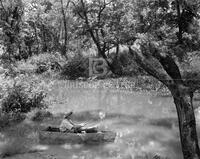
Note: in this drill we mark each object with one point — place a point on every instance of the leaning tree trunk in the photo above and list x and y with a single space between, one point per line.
187 124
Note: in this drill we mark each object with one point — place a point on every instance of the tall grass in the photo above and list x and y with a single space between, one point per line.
19 139
13 146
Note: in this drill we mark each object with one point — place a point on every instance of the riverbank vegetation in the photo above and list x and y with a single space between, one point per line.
148 45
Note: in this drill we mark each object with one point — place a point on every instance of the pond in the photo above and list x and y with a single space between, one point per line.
146 125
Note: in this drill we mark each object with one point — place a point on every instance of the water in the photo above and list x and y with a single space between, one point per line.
145 124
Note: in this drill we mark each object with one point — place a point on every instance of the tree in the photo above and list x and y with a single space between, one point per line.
105 22
162 49
166 33
11 13
50 23
39 19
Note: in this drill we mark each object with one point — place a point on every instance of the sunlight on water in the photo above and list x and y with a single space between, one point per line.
144 124
2 136
123 133
40 148
74 146
67 146
77 146
151 146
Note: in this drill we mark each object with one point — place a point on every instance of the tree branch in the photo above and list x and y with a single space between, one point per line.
167 63
147 65
180 32
100 11
3 6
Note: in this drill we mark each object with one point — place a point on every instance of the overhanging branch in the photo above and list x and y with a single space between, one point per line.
147 65
167 63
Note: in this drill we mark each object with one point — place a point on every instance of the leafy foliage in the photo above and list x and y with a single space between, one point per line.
105 22
39 115
126 62
44 62
11 25
75 68
22 95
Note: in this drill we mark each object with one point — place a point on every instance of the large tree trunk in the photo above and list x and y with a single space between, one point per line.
187 124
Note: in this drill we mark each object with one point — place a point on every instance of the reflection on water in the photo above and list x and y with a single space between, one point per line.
145 124
40 148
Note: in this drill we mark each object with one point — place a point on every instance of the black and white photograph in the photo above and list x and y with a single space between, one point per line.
99 79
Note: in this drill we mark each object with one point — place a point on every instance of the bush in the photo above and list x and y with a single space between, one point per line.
18 100
41 68
39 115
47 61
128 65
6 119
42 63
76 67
22 94
25 67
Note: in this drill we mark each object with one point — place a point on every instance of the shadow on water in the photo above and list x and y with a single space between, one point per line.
167 123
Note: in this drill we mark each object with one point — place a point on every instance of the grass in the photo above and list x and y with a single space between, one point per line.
9 119
19 139
13 147
16 147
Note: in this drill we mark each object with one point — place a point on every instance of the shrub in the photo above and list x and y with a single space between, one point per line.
25 67
4 120
41 68
125 60
47 61
39 115
11 71
76 67
7 119
41 63
18 100
16 117
22 94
